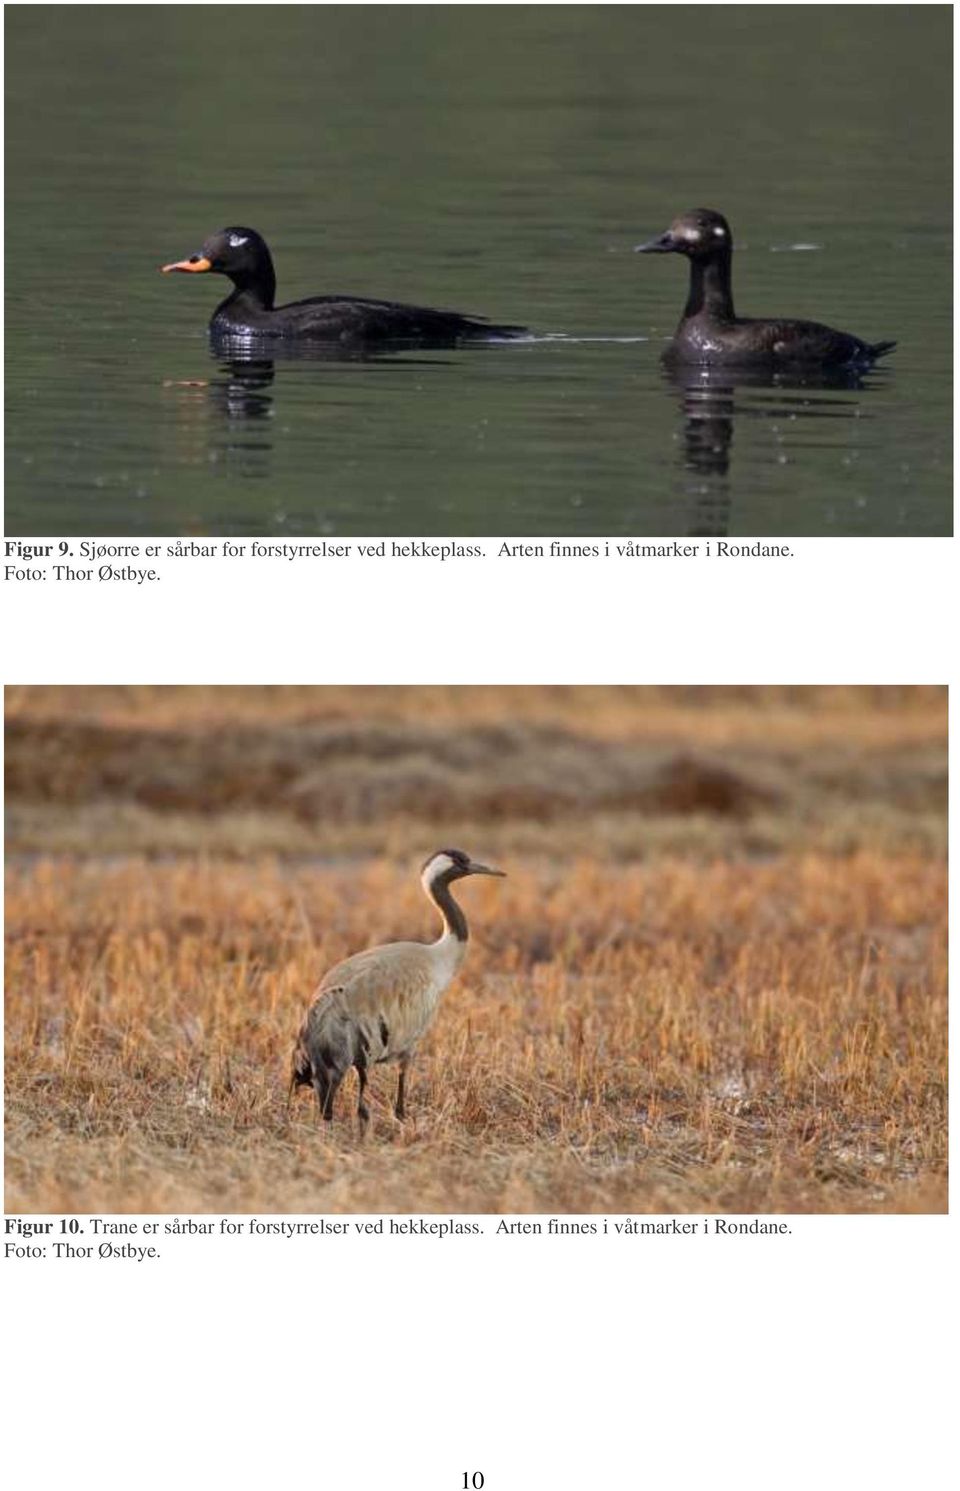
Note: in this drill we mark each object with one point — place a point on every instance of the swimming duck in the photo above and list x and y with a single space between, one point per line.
242 255
711 332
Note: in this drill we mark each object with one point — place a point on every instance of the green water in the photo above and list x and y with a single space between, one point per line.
497 160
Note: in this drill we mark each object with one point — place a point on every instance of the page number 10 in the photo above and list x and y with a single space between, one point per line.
473 1480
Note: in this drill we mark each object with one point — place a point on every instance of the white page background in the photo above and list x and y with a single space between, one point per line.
816 1358
842 610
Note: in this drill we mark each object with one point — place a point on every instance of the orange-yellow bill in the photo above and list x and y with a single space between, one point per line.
188 266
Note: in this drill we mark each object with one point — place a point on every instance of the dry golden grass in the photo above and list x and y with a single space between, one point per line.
691 994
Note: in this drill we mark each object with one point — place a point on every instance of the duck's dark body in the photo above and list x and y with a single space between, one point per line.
710 331
708 338
350 319
242 255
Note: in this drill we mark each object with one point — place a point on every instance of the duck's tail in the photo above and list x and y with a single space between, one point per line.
473 328
880 349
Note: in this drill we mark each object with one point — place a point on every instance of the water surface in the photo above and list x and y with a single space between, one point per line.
501 161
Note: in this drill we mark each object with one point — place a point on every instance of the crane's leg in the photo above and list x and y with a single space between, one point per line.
399 1109
363 1112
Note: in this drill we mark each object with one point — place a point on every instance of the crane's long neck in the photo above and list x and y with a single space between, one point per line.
711 287
454 921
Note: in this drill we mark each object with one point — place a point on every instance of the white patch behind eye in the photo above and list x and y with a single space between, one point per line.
719 232
438 865
236 241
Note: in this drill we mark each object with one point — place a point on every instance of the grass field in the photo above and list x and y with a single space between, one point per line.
715 978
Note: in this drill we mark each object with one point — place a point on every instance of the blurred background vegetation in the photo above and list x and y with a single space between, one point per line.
620 773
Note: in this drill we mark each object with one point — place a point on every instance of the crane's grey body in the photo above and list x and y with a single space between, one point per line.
374 1007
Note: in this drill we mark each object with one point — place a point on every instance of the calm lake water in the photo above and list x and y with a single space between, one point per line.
498 160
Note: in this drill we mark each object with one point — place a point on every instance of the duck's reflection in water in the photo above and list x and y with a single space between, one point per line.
241 392
249 352
241 411
242 401
712 400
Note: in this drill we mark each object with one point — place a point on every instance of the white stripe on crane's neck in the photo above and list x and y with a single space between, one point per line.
436 887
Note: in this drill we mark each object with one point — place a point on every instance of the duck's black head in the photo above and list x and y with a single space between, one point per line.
700 234
240 254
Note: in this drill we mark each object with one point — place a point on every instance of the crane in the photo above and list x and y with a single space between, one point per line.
375 1006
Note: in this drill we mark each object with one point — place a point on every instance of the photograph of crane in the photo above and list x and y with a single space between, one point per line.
648 950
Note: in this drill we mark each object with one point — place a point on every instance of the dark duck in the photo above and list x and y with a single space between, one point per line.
242 255
711 332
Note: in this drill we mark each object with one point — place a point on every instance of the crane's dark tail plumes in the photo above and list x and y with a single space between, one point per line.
301 1072
321 1071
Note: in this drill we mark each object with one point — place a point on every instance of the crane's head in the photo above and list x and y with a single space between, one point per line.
451 864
